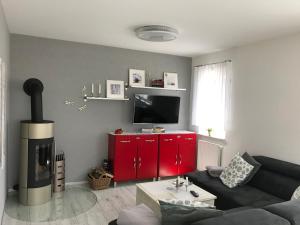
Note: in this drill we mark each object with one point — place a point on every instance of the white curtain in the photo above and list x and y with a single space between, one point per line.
211 98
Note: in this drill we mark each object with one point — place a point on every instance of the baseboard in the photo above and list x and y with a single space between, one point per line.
76 183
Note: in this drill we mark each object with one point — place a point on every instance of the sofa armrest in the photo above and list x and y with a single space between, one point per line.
246 217
289 210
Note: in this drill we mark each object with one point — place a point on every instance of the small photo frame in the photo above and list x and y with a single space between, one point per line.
137 78
170 80
115 89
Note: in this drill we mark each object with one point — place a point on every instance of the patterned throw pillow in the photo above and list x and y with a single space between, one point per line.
296 194
237 171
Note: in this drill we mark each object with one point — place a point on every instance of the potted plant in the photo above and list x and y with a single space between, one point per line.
209 130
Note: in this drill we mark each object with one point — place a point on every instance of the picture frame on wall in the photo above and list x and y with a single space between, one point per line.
115 89
137 78
170 80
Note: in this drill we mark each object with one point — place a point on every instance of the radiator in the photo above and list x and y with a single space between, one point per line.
209 154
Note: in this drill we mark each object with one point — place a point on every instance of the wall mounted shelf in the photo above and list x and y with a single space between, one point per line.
159 88
87 98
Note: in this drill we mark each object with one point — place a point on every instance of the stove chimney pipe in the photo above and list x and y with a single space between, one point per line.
34 88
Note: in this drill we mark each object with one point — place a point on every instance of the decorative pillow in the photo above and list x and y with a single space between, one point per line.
296 194
249 159
236 172
214 171
182 215
138 215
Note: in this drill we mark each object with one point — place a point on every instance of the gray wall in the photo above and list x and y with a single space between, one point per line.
266 108
4 54
64 67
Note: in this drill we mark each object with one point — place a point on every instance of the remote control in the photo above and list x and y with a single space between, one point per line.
194 193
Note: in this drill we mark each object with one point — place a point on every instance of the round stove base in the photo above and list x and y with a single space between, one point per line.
70 203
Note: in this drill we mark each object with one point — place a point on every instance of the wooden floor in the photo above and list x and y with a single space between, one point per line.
110 202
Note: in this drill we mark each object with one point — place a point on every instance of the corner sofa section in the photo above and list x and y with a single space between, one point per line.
275 182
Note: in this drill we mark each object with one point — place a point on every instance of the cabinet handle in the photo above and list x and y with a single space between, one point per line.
149 140
180 159
125 141
134 163
176 159
189 139
170 139
137 138
140 162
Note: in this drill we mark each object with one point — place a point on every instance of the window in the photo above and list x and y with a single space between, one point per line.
211 98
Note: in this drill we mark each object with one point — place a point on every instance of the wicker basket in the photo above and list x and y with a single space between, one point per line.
100 183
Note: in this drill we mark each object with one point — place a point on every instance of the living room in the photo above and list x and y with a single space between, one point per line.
223 76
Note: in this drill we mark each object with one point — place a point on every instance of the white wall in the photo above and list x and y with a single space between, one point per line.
266 98
4 54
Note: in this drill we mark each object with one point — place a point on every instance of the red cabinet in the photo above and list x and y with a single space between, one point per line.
133 156
177 154
187 154
168 155
144 156
147 157
125 158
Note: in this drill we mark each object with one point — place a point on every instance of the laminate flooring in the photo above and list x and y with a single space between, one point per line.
107 207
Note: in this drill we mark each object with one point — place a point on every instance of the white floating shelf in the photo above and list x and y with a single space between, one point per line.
86 98
159 88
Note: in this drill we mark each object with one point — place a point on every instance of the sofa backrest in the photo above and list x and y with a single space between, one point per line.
276 177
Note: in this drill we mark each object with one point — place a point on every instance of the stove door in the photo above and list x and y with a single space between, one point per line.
40 159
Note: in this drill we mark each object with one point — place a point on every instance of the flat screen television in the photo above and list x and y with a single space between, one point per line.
156 109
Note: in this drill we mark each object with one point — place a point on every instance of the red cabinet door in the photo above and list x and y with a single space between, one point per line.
168 157
125 158
187 153
147 157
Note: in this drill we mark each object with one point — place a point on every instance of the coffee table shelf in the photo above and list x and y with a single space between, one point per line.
150 192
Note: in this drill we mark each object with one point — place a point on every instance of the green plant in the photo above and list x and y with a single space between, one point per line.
209 130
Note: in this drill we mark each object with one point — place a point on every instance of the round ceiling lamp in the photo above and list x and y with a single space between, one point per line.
156 33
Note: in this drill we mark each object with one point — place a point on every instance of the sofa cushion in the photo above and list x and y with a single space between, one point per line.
289 210
280 167
296 194
266 180
249 159
246 217
230 198
173 214
236 172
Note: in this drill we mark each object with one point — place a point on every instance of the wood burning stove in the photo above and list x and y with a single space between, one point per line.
37 150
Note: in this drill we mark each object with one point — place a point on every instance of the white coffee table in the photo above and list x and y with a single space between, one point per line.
150 192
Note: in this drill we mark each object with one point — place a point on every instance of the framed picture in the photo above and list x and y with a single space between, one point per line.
115 89
136 78
170 80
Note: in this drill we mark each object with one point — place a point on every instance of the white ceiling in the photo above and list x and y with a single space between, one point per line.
204 25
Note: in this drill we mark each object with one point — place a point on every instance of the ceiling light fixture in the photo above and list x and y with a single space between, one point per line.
156 33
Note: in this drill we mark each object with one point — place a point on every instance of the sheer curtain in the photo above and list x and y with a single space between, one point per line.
211 98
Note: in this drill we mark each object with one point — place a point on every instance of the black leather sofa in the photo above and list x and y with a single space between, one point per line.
275 182
263 201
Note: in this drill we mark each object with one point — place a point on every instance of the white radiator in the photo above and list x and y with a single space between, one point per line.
209 154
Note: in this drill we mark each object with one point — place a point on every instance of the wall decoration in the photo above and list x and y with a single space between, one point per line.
137 78
115 89
170 80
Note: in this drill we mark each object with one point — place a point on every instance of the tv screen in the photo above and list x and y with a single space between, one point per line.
156 109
